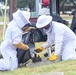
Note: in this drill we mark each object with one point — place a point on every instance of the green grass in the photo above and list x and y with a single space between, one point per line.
67 17
2 18
68 67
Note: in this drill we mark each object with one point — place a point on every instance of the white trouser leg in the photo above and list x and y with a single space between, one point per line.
3 65
69 51
6 63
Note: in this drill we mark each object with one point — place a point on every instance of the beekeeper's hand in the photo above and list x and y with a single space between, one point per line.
22 46
53 57
40 49
29 28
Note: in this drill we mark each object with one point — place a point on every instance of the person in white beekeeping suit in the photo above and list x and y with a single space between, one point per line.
12 40
60 35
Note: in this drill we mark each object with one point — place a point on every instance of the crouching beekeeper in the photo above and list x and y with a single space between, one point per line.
60 35
12 41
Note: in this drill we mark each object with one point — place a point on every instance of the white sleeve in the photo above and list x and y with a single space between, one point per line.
45 45
16 36
58 41
48 43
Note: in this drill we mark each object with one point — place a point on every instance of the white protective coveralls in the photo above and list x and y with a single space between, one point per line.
63 38
13 35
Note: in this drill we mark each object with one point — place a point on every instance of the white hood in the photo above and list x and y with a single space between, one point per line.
49 29
21 18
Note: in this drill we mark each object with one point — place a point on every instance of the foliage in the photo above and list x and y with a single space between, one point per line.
2 0
26 3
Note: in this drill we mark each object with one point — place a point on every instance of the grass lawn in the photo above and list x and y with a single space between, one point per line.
67 17
2 18
68 67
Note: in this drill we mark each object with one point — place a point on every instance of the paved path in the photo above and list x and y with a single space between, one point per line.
44 61
53 73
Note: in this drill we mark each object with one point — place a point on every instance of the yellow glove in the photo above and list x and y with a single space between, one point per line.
28 29
38 50
22 46
53 57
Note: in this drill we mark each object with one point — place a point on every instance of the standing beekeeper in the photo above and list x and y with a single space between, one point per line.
12 40
60 35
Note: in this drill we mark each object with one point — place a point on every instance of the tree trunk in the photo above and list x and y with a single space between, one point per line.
12 4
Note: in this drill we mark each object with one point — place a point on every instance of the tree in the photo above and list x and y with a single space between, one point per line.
2 0
26 3
12 4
